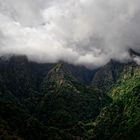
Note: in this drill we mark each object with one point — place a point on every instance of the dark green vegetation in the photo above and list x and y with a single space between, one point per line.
121 119
65 102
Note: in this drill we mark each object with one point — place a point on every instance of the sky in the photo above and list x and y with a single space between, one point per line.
81 32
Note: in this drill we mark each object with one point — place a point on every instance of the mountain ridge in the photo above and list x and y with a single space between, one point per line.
62 101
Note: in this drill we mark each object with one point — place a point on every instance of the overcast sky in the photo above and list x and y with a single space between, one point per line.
88 32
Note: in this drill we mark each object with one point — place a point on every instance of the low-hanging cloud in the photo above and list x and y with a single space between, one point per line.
88 32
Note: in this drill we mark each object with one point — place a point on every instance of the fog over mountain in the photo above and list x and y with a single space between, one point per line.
88 32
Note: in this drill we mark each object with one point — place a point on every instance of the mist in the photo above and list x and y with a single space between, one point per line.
81 32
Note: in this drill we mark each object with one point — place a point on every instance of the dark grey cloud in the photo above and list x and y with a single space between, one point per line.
88 32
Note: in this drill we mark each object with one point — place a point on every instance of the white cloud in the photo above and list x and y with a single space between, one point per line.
89 32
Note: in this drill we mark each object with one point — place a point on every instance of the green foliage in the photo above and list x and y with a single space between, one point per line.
66 101
53 101
120 120
107 75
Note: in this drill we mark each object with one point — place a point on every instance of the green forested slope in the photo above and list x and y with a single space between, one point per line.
66 102
39 101
121 119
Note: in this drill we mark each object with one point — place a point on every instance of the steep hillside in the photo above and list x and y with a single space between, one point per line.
65 102
121 120
55 95
107 75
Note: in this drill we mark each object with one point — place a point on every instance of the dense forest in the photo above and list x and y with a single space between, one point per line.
66 102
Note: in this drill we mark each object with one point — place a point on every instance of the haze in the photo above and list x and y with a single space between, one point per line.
87 32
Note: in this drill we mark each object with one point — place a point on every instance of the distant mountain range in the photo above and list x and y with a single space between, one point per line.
66 102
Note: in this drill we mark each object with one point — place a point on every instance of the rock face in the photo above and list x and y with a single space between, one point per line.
62 101
107 75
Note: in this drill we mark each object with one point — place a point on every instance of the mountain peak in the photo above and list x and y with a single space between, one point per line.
59 67
58 77
133 53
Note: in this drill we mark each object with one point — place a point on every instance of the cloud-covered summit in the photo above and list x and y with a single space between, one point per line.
88 32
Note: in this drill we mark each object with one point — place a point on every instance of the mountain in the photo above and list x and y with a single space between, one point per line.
49 95
107 75
120 120
133 53
66 102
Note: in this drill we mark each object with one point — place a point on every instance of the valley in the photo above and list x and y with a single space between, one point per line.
66 102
